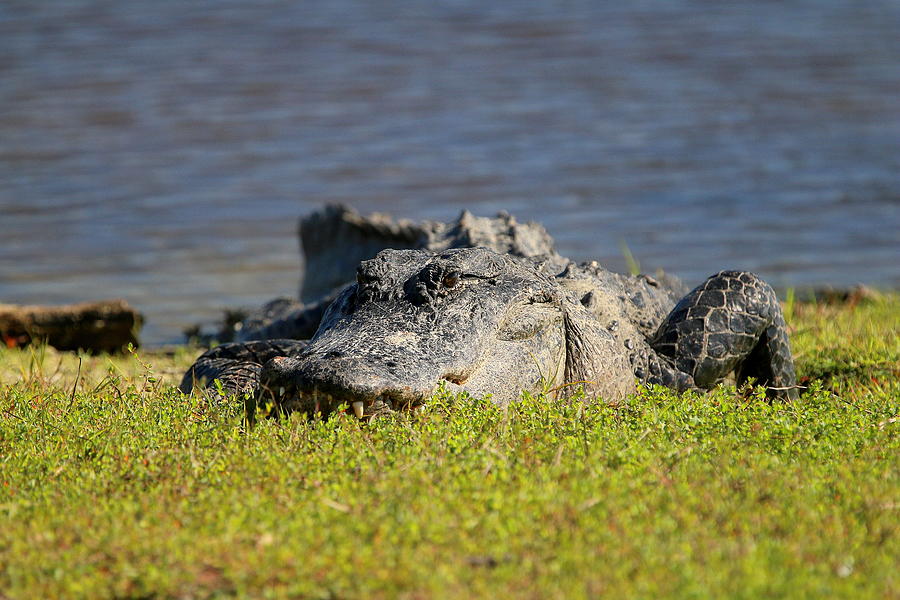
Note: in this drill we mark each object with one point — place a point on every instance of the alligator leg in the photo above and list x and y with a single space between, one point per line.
732 322
237 366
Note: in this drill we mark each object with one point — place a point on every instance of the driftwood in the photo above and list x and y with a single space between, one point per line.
103 326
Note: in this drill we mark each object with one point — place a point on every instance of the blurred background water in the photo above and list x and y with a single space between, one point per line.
161 151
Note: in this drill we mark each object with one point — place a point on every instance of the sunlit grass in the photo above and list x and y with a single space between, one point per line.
114 485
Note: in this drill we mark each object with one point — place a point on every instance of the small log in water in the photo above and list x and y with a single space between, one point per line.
103 326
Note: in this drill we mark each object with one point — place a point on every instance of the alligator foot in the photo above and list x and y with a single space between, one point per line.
732 322
236 366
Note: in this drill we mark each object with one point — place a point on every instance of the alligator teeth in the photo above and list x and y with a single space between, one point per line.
358 409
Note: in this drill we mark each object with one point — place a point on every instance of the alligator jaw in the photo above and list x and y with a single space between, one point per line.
289 399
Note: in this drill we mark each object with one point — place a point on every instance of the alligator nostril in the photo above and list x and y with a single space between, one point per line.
455 378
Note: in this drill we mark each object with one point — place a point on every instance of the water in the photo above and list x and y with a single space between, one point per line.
162 151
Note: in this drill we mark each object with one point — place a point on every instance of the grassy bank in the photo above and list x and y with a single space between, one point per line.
113 485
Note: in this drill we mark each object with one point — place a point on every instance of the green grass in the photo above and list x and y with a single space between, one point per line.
117 486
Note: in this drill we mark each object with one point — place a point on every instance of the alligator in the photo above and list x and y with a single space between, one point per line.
478 321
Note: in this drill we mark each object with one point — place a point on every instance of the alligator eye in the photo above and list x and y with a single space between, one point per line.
451 279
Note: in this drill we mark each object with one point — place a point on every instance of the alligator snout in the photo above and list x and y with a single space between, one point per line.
319 384
414 321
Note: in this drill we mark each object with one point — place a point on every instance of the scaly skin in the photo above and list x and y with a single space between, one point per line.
732 322
489 323
237 365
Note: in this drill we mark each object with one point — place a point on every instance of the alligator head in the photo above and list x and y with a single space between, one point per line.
469 319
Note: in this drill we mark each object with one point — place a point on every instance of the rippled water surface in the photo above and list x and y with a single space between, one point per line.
162 151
